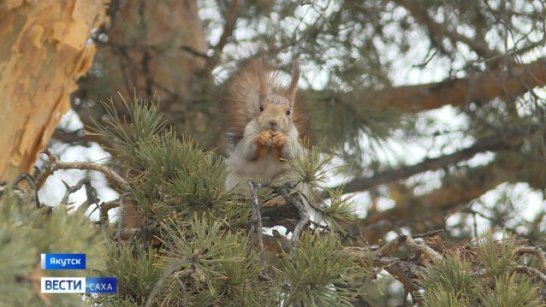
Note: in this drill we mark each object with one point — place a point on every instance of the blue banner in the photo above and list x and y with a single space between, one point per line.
101 285
63 261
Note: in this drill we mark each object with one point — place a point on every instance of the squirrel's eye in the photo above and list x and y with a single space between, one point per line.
287 112
261 108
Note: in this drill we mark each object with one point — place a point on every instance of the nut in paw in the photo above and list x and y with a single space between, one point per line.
279 139
265 138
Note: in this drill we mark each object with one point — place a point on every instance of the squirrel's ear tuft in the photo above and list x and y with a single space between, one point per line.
291 92
261 80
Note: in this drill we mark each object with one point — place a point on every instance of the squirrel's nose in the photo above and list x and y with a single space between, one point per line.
273 123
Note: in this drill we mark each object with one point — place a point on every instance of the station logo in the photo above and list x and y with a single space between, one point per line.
87 285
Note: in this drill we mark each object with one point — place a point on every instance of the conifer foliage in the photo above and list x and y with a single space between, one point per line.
179 239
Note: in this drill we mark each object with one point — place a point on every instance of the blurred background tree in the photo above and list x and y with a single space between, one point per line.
436 106
431 103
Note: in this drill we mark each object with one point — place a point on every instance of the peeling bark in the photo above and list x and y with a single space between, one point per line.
43 53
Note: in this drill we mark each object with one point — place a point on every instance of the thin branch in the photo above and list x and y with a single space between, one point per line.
53 165
255 222
298 203
500 141
194 52
412 245
532 272
440 30
429 233
31 183
537 251
403 271
228 30
120 215
166 273
105 207
91 193
228 26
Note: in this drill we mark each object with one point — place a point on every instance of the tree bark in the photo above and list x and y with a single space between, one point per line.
44 51
155 48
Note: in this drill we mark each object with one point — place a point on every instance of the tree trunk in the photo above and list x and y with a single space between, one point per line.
153 49
43 53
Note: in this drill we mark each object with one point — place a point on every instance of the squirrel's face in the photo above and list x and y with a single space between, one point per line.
275 113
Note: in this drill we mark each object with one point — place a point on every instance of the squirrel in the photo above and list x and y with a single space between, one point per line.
264 124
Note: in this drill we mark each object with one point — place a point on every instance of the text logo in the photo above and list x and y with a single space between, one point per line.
89 285
63 261
63 284
101 285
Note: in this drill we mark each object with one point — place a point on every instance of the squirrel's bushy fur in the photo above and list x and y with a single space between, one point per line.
265 125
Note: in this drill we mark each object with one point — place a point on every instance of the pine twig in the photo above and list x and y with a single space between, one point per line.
168 271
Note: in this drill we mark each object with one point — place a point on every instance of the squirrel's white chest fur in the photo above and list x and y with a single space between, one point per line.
266 168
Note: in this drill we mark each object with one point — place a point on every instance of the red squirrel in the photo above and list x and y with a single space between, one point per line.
265 124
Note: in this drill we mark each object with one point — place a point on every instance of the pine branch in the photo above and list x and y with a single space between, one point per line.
421 16
511 81
500 141
166 273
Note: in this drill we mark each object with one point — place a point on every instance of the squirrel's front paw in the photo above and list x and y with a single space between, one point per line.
265 139
279 139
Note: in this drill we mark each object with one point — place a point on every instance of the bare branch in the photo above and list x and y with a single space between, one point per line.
299 204
255 222
104 208
228 26
534 250
228 30
53 165
429 233
91 193
532 272
412 245
31 183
